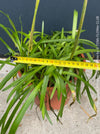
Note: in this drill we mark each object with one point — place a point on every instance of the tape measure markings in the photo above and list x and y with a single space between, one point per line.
60 63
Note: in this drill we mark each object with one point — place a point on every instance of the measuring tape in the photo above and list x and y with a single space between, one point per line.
60 63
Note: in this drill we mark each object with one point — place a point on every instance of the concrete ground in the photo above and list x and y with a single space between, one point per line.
74 118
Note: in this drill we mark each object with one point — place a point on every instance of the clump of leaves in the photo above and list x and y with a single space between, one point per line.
62 45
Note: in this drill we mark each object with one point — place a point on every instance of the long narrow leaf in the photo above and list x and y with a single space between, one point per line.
80 27
75 19
25 106
26 92
90 97
10 21
9 48
78 86
11 74
43 90
87 42
75 75
58 85
85 51
33 26
12 38
47 115
56 40
62 106
43 110
42 33
53 91
11 104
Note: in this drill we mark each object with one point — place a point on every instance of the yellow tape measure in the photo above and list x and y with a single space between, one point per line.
60 63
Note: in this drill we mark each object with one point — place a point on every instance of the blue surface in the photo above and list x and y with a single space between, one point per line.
55 13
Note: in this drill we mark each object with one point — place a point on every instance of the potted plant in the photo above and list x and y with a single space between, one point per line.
34 80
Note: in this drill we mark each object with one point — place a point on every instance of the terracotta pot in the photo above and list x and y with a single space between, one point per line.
19 74
55 103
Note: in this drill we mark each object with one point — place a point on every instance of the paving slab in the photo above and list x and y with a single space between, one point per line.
74 118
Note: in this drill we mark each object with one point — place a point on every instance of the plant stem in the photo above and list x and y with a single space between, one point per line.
80 27
75 19
42 34
33 26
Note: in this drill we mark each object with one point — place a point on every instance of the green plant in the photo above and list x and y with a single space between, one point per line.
64 45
